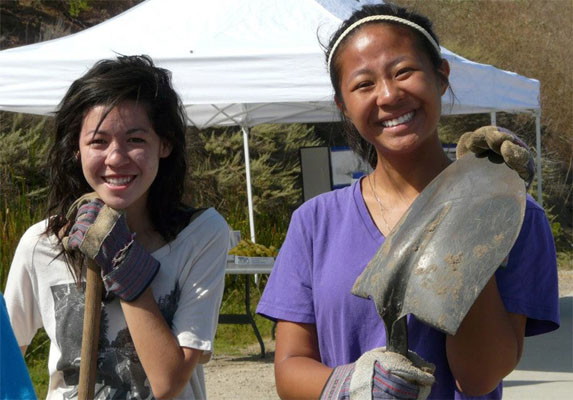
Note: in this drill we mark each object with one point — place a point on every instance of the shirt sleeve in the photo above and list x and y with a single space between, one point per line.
202 283
21 302
288 293
12 366
529 283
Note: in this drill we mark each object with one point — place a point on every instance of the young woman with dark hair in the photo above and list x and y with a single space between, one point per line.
117 169
388 77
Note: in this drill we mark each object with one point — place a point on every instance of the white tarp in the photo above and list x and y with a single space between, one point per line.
234 62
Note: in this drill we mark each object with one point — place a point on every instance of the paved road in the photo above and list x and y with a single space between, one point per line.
546 367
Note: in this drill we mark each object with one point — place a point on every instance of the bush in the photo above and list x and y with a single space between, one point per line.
23 156
218 177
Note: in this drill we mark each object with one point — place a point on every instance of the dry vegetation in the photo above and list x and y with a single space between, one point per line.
531 38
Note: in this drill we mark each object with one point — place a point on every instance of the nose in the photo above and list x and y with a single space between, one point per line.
117 155
388 93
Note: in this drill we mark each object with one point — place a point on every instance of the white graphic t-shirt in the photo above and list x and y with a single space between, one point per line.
188 288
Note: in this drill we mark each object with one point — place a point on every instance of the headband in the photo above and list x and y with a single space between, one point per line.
382 18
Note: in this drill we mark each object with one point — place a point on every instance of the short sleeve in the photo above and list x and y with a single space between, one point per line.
13 368
529 283
202 283
288 292
21 303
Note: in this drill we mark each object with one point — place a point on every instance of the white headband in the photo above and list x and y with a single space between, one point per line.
382 18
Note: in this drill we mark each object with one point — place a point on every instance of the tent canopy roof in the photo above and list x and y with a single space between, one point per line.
234 63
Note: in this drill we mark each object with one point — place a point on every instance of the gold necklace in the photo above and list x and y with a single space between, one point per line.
373 188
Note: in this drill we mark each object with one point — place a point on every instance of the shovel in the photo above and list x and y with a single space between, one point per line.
92 315
90 333
446 247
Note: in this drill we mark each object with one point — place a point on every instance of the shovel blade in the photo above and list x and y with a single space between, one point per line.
449 243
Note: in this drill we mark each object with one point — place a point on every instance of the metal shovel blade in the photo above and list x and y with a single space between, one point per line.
443 251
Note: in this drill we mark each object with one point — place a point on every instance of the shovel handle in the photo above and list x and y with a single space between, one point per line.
397 336
90 333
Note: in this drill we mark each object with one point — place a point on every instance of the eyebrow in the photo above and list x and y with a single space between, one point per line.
390 65
128 132
136 129
359 72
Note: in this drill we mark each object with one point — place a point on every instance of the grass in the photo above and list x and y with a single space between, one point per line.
17 214
37 361
232 339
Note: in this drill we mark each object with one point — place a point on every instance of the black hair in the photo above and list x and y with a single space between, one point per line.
358 144
108 83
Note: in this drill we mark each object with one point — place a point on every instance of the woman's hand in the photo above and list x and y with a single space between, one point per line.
487 345
102 234
381 374
514 151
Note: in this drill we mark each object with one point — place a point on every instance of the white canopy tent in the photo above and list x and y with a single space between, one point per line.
237 63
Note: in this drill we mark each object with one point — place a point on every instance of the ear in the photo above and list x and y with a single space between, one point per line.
340 105
444 71
165 149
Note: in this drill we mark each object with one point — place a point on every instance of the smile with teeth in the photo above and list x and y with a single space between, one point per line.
114 181
400 120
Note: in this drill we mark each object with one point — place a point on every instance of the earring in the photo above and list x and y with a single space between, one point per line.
77 155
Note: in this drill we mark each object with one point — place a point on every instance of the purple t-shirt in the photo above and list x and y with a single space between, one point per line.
331 239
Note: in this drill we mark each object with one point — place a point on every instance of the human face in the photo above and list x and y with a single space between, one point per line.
390 90
120 159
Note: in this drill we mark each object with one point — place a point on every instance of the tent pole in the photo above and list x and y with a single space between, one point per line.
248 174
538 146
492 117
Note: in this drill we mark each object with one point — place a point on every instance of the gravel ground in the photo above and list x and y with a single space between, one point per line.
244 377
250 377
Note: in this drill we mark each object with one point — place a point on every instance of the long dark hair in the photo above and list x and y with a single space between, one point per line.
108 83
360 146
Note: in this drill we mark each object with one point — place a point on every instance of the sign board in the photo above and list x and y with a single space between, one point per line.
346 166
326 168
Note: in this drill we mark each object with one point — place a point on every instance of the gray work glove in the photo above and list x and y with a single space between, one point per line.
514 151
381 374
101 233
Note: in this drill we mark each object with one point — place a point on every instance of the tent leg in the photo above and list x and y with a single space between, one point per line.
538 146
492 117
248 174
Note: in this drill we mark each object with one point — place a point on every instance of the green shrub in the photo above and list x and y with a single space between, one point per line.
217 175
77 6
217 166
23 156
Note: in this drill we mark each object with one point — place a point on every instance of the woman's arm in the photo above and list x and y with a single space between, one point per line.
299 374
487 345
167 365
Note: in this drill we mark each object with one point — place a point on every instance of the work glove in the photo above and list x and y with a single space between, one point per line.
101 233
514 151
381 374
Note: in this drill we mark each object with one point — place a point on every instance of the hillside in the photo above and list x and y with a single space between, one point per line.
29 21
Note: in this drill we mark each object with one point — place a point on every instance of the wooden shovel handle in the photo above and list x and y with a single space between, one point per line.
90 334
